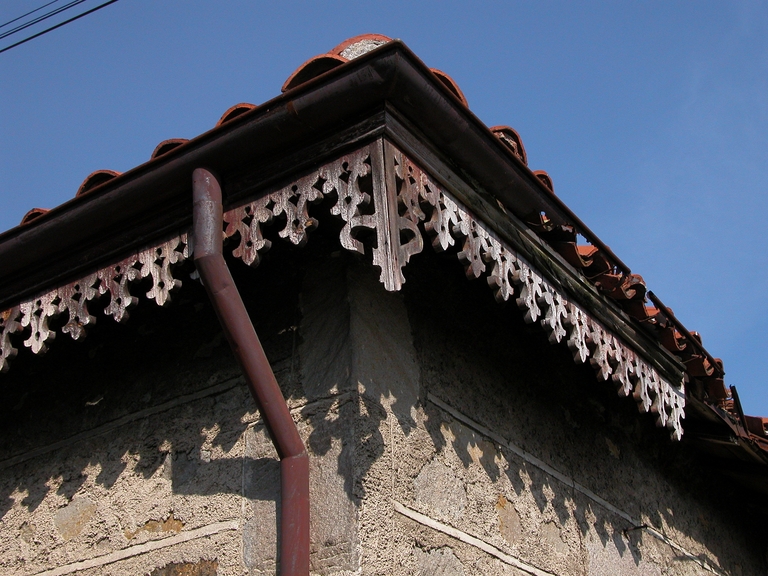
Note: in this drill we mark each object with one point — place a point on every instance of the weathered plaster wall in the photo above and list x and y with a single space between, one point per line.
512 423
445 438
466 451
132 452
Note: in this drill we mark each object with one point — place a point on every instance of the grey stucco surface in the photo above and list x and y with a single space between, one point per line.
145 435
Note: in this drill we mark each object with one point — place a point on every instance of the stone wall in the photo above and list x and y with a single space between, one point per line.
482 449
129 452
446 438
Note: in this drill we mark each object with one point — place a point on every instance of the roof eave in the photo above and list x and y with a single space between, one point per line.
154 198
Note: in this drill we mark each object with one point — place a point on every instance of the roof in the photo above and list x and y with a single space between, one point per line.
474 182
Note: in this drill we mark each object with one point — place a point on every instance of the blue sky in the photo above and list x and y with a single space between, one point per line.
652 118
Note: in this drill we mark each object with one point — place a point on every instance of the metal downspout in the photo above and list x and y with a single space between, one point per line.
294 461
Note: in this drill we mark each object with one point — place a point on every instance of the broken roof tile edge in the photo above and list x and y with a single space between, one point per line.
555 209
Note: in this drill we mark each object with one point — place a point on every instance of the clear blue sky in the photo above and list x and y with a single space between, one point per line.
651 118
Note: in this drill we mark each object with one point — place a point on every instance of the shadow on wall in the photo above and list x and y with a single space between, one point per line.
160 395
201 568
482 360
166 400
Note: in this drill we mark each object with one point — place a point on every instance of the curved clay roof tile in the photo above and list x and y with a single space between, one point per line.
312 68
234 112
671 339
545 179
511 140
95 179
348 50
166 146
450 84
354 47
698 366
32 214
695 334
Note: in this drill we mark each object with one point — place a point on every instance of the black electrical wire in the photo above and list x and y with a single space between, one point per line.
59 25
45 16
27 14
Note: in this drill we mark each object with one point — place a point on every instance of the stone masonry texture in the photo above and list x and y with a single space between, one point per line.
140 451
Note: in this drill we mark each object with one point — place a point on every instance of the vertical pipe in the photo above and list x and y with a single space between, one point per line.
237 326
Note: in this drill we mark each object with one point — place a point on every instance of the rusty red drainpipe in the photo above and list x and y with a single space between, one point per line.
218 282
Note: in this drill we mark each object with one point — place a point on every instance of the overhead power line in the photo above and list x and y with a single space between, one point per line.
45 16
27 14
59 25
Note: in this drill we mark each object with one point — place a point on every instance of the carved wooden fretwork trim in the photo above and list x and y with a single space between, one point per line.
507 273
357 182
380 189
344 178
375 188
34 316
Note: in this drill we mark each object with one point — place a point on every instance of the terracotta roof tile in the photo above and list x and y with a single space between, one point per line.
511 140
32 214
450 84
607 282
95 179
312 68
545 179
757 426
698 366
671 339
234 112
167 145
715 388
356 46
348 50
570 251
